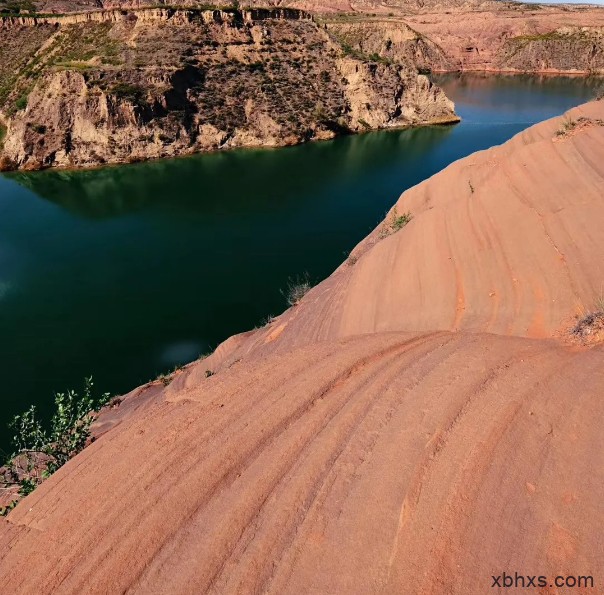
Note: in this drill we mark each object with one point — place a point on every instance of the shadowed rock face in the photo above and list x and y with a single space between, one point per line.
346 447
164 82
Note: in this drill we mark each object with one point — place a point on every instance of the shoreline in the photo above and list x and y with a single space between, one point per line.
438 122
443 122
514 72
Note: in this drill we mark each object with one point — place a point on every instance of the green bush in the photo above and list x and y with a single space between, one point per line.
127 91
399 221
38 451
21 103
395 223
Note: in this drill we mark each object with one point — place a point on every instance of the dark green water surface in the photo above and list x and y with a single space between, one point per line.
124 272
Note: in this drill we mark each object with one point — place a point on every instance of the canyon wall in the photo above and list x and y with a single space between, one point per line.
568 49
503 37
121 86
390 40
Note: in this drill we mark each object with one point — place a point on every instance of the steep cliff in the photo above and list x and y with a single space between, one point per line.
388 39
123 86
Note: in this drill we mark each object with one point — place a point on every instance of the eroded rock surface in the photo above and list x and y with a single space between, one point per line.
160 82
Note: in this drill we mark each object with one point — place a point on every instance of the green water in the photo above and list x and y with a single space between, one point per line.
124 272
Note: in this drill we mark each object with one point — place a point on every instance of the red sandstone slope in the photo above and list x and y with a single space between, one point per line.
508 241
327 455
388 463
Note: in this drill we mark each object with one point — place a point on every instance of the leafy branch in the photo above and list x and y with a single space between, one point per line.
38 451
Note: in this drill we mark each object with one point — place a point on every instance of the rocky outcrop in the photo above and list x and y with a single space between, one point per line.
389 39
165 82
381 96
345 448
569 49
158 13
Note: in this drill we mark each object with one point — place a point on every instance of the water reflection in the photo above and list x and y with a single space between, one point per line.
232 182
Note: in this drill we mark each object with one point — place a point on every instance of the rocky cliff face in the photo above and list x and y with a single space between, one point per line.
381 96
508 37
516 37
391 40
163 82
566 49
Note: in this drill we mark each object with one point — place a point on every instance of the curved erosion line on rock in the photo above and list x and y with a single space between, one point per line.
383 451
460 263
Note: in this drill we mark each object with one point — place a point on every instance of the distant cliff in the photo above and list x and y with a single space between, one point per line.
516 37
127 85
566 49
503 37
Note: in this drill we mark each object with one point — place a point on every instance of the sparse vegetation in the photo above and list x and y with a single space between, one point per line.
562 49
266 321
297 289
399 221
14 7
21 103
349 50
165 379
38 451
549 36
591 323
127 91
568 125
395 223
